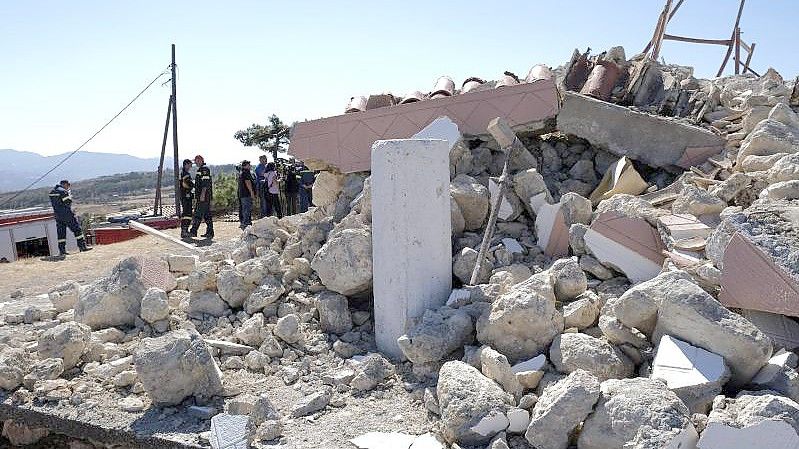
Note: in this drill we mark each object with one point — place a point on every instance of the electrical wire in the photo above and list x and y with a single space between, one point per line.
61 162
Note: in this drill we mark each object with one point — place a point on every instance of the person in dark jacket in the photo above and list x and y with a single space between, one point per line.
292 190
260 185
246 194
61 200
306 188
186 198
203 188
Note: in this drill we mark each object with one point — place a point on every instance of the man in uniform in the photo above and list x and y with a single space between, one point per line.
186 198
61 200
203 189
246 194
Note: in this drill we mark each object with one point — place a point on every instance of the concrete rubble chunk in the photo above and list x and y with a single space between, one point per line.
114 300
383 440
620 177
780 375
529 184
530 372
694 374
779 133
570 280
522 323
313 403
470 403
783 330
154 305
182 264
574 351
334 313
175 366
638 413
21 434
581 313
464 265
496 366
64 296
265 294
596 269
473 199
669 144
344 263
264 422
232 287
759 268
288 328
327 187
229 431
438 334
561 408
672 304
552 229
208 303
371 370
752 420
510 207
67 341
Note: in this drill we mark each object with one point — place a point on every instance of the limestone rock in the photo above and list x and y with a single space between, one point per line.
344 263
182 264
202 278
561 408
20 434
263 417
64 296
752 420
570 280
334 313
466 399
265 294
639 413
672 304
67 341
207 302
783 190
573 351
13 366
175 366
496 366
154 305
581 313
510 207
529 184
233 287
522 322
287 328
697 201
252 331
472 198
437 334
785 169
114 300
371 370
327 187
464 265
313 403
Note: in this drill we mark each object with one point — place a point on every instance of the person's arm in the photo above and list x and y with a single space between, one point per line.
248 183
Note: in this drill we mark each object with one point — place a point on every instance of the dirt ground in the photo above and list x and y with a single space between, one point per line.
35 275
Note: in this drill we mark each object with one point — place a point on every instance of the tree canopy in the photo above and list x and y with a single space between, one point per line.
272 137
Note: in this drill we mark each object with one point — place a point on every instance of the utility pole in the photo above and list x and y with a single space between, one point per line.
175 156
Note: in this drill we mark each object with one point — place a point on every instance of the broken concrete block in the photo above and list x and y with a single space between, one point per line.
561 408
175 366
522 323
552 230
208 303
67 341
384 440
629 245
313 403
672 304
496 366
529 184
182 264
780 375
752 420
344 263
266 294
618 129
530 372
694 374
471 404
64 296
620 177
510 207
436 335
575 351
334 313
114 300
582 313
591 265
229 431
518 420
464 264
681 227
569 278
759 271
154 305
473 199
638 412
783 330
513 246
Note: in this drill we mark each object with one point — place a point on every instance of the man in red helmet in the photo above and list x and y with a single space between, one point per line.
203 189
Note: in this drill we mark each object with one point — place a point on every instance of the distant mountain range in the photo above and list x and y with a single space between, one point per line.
20 168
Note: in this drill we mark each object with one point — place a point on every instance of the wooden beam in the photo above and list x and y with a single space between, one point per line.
156 233
661 31
674 11
745 46
732 37
694 40
660 24
751 51
737 51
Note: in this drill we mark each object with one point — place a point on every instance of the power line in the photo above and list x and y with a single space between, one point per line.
8 201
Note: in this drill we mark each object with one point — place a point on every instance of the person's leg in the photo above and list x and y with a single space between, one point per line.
303 200
246 212
74 226
276 205
185 217
263 201
209 222
199 214
61 230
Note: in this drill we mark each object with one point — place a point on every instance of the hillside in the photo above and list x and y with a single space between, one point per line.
20 168
102 189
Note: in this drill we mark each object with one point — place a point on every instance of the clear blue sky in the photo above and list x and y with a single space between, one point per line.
66 67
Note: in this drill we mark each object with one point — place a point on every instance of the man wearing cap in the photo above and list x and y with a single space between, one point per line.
186 198
246 194
203 189
260 185
61 200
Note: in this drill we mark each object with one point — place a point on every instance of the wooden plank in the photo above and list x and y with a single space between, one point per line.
156 233
751 51
694 40
732 37
737 51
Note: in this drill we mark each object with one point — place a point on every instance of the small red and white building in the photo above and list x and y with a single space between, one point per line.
30 232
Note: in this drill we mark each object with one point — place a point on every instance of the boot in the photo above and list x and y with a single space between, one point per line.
62 249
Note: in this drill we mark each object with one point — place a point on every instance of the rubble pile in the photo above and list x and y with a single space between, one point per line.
621 302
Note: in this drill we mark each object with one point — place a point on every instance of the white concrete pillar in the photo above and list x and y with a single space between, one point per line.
411 234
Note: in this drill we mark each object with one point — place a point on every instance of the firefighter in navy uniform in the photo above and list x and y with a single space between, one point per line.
61 200
186 199
203 189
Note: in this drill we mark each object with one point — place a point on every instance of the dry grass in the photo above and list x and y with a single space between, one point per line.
36 276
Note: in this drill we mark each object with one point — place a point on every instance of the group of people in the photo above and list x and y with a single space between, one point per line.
294 182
